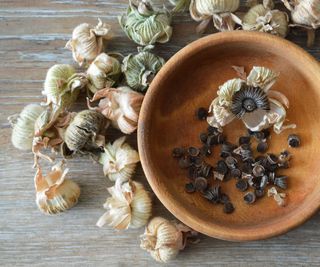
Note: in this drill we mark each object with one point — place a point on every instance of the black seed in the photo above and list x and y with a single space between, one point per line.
201 113
228 208
201 183
259 193
236 173
258 170
205 170
242 185
244 140
249 198
264 181
284 165
213 130
266 133
281 182
262 147
231 162
259 135
203 138
271 177
293 140
224 198
205 151
190 188
211 140
178 152
197 161
209 195
184 163
272 159
220 138
193 151
222 167
246 167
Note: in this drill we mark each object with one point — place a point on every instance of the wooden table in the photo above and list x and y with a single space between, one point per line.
32 38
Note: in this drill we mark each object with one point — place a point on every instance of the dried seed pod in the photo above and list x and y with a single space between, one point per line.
55 193
278 197
281 181
88 41
144 25
218 10
164 239
121 106
128 207
23 126
119 160
103 72
84 132
140 69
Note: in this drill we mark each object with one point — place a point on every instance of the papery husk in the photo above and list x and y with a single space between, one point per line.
164 239
262 77
278 197
55 193
121 106
119 160
139 69
23 126
103 72
88 41
145 25
128 207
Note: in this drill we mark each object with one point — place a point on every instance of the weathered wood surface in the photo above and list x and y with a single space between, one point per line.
32 38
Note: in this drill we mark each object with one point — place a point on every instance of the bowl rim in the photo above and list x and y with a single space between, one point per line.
178 210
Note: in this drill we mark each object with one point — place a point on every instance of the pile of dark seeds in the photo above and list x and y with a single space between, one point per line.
237 162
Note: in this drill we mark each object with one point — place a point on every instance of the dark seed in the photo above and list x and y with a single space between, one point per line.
202 113
201 183
259 135
190 188
258 170
203 137
284 165
244 140
272 159
271 177
205 170
222 167
281 182
224 198
264 181
246 167
197 161
242 185
236 173
184 163
193 151
212 140
249 198
208 194
220 138
293 140
231 162
178 152
228 208
213 130
259 193
262 147
205 151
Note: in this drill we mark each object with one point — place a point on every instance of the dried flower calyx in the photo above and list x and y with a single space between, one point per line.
140 69
219 10
145 25
128 207
88 41
305 14
55 193
251 100
121 106
103 72
119 160
164 239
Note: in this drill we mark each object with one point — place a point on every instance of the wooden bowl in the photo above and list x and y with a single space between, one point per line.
189 80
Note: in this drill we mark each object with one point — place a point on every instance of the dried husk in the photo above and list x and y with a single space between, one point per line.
278 197
218 10
103 72
23 126
164 239
121 106
128 207
88 41
140 69
119 160
55 193
144 25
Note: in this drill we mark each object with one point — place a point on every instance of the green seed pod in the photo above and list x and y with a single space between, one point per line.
146 26
140 69
23 126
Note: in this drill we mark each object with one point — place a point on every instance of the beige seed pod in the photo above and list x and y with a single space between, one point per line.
164 239
119 160
55 193
23 126
128 207
88 41
103 72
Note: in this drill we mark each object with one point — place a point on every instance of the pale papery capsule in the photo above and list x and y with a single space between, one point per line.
103 72
164 239
128 207
23 126
54 192
88 41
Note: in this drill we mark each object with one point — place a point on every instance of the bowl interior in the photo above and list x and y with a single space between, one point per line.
190 80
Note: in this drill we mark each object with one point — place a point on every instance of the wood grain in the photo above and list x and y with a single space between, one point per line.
32 38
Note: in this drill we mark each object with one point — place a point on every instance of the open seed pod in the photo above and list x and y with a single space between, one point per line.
121 106
305 14
140 69
218 10
103 72
128 207
23 126
85 134
164 239
88 41
119 160
251 100
145 25
55 193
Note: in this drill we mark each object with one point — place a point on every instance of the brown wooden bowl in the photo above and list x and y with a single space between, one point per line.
189 80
